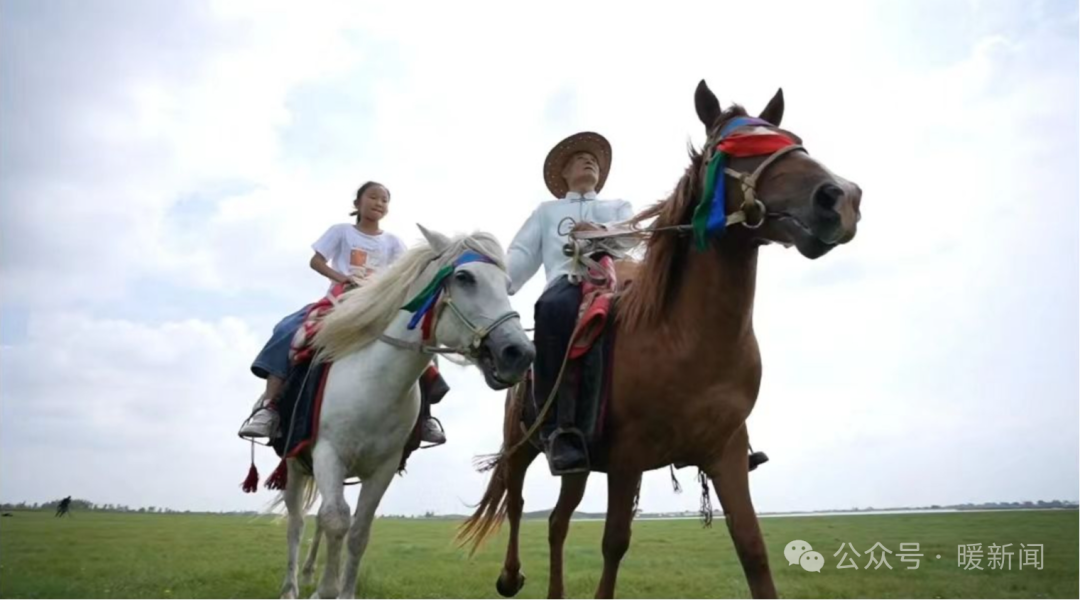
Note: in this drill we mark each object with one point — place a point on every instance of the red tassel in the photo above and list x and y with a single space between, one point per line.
279 478
251 484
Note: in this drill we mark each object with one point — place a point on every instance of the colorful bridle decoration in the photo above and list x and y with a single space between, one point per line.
740 137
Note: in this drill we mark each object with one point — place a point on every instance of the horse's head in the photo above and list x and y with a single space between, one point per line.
766 177
475 310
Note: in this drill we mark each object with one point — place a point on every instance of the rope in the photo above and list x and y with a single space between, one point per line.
626 229
547 403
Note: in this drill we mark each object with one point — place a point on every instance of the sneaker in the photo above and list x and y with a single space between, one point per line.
263 423
431 433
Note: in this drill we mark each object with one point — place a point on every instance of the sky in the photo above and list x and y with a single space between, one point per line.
164 168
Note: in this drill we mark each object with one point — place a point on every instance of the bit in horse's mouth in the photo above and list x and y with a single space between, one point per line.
784 216
490 369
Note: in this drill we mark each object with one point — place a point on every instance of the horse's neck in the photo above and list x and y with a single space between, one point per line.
715 303
387 362
399 329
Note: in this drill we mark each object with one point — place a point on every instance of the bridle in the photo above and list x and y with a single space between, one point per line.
740 137
428 306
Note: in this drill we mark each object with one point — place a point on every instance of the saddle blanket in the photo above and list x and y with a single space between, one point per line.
301 399
301 350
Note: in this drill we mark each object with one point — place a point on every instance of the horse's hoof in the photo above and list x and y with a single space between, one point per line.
509 585
307 578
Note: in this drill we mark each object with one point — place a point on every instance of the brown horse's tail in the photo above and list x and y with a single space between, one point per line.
491 511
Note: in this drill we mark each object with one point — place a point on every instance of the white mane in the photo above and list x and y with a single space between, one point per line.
364 313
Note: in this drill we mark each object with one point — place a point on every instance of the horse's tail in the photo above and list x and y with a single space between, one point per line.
490 513
309 492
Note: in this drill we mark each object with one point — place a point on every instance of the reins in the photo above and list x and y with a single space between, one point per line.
710 217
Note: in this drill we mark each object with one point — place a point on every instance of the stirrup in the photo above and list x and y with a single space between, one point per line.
582 444
433 444
259 405
756 459
269 443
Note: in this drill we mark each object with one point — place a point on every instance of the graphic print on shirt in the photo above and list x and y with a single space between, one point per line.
364 263
358 262
356 254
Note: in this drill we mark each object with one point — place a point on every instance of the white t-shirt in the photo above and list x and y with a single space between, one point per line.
351 252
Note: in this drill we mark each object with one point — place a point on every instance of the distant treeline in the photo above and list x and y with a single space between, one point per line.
543 514
78 504
86 505
965 506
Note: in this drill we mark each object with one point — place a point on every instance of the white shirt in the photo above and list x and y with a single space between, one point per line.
353 253
539 241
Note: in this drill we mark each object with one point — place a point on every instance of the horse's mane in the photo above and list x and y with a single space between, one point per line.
648 298
364 313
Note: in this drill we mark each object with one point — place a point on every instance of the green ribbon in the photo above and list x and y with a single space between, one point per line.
416 303
700 220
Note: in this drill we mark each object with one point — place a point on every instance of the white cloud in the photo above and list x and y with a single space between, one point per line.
129 413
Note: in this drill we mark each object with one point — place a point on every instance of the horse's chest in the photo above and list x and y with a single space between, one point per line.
367 425
655 421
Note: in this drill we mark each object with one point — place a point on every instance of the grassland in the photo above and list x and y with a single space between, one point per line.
100 555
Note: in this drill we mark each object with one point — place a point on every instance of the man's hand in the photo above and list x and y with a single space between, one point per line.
585 226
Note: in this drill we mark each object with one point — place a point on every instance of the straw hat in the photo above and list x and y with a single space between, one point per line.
586 141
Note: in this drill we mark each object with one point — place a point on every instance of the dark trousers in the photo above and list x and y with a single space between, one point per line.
555 317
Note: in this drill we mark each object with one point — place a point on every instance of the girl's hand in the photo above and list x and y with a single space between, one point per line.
357 281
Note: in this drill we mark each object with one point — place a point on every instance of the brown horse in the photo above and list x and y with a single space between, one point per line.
688 367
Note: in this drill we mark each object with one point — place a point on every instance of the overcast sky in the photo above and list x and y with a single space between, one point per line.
165 166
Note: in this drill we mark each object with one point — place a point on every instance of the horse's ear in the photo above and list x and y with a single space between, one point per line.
438 241
774 110
708 107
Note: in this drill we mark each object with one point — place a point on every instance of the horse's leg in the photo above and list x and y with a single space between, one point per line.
570 494
307 575
511 580
371 493
333 516
294 502
730 477
622 489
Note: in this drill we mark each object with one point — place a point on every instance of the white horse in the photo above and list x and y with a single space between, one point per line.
371 400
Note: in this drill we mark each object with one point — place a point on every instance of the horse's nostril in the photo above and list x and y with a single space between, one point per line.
512 354
827 196
517 356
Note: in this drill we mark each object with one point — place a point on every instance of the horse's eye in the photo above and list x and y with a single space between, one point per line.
464 277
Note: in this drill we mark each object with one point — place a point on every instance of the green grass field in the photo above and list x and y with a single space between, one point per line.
97 555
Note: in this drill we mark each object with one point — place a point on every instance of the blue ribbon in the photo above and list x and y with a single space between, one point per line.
717 223
419 314
739 122
717 209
